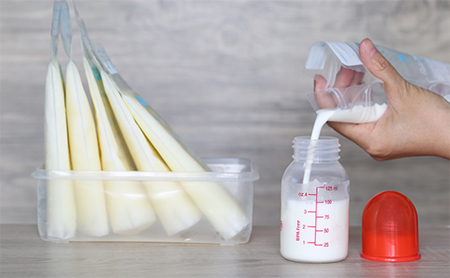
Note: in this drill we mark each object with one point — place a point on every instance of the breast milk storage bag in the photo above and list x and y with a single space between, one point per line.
366 100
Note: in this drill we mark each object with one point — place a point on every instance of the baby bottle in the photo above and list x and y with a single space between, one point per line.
315 203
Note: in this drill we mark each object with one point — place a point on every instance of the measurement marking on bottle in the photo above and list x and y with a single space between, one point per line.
320 228
317 216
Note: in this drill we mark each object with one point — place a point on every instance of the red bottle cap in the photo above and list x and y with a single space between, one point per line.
390 230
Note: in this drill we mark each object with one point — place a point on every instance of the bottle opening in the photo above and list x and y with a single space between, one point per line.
326 148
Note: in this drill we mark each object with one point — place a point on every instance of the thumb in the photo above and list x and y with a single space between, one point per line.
380 67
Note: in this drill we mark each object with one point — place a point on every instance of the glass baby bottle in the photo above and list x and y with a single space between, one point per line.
315 203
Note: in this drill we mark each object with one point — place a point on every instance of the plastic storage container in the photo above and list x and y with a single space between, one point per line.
315 214
235 175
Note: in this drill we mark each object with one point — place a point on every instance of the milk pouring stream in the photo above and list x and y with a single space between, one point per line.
357 114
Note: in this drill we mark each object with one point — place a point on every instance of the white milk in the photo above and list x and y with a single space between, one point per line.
357 114
331 239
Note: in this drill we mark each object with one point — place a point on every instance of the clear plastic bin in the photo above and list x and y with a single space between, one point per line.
235 175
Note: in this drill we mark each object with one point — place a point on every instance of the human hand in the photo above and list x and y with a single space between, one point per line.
416 122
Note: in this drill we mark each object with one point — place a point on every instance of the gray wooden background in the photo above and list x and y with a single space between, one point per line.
227 76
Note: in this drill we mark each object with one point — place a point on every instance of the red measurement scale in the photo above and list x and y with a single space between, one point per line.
318 216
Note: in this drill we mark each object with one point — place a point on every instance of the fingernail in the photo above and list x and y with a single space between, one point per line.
317 76
368 47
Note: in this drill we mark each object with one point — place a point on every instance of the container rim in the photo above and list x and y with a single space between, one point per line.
247 171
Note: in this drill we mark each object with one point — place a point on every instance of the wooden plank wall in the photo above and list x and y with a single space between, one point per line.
227 76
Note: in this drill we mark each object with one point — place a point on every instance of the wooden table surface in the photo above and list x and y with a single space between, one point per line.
24 254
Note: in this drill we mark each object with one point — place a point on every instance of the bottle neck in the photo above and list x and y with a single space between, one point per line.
325 149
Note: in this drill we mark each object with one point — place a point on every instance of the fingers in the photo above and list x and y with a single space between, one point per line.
380 67
347 78
319 83
323 97
344 78
357 78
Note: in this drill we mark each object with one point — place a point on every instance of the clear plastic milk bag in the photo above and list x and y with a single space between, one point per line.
329 58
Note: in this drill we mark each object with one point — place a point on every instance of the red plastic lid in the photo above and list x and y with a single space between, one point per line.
390 230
